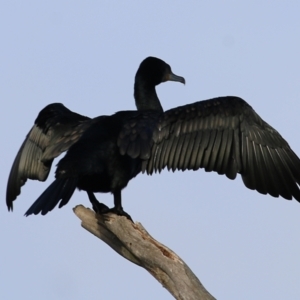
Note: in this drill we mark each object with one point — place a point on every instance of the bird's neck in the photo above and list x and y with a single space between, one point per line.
145 97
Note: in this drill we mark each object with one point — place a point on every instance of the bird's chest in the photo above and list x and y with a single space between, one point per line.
109 170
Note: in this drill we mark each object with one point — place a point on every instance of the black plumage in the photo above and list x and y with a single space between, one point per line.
55 129
223 134
93 162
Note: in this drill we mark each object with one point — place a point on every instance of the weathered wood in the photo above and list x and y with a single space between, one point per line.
133 242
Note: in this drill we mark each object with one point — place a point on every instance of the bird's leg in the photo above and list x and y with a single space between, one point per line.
98 207
101 208
118 209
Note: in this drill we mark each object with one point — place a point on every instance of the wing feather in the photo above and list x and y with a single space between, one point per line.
55 130
227 136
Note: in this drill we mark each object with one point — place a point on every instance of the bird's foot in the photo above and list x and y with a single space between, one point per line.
117 211
100 208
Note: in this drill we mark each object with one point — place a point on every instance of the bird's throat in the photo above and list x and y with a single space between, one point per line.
146 98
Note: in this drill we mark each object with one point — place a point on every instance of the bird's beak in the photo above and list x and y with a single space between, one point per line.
172 77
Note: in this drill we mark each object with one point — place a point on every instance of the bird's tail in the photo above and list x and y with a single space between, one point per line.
61 190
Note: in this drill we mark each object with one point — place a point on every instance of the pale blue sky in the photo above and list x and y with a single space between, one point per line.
240 244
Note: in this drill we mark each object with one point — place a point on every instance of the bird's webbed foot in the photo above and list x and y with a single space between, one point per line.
98 207
118 211
102 209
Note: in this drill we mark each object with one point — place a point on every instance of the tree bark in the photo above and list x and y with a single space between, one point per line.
134 243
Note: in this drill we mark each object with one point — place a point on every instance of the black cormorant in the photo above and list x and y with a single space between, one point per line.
223 134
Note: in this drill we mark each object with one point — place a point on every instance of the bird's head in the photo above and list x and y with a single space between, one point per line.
154 71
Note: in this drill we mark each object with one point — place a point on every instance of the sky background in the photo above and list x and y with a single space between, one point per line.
84 54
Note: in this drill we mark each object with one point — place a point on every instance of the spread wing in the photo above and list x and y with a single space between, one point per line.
55 130
224 135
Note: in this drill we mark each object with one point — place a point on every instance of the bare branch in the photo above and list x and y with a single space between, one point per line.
133 242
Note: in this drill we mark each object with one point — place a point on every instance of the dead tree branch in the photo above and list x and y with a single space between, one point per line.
133 242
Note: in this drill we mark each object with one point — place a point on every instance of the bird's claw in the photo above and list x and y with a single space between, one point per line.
100 208
114 210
